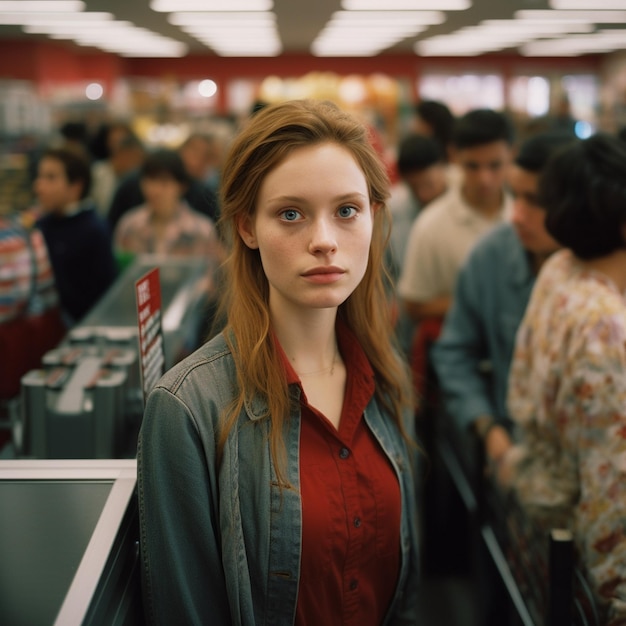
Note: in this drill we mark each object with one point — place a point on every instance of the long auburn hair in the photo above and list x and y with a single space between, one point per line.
267 139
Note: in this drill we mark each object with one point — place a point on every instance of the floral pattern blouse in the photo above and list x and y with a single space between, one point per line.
567 395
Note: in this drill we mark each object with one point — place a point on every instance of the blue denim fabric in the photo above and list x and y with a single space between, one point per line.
222 546
473 353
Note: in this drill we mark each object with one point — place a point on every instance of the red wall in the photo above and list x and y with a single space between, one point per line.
48 62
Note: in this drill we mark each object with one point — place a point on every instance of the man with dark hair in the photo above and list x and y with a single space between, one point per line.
441 237
473 353
78 239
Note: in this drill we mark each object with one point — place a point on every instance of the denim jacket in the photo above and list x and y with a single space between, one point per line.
221 545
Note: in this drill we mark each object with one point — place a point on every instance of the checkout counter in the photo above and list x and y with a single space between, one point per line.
69 543
87 400
69 532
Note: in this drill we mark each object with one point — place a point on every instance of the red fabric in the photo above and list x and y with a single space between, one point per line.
351 509
427 333
23 342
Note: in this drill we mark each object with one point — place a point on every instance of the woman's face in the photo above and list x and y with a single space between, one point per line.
313 227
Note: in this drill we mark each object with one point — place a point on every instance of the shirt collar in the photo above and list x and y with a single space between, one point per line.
464 213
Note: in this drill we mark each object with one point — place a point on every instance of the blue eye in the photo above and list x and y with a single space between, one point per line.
290 215
347 211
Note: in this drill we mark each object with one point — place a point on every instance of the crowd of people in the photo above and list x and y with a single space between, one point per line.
284 447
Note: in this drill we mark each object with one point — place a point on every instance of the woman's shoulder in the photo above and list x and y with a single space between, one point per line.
209 364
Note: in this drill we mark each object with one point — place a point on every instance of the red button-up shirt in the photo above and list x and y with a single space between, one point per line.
350 508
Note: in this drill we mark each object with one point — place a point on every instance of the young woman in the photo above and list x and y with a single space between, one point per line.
567 385
275 476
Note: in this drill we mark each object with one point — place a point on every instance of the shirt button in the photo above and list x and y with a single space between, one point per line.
354 583
344 453
357 521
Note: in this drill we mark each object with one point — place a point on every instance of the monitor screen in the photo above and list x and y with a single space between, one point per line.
45 527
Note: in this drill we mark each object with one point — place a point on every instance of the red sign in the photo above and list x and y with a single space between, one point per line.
151 350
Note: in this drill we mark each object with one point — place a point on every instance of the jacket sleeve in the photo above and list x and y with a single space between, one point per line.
182 575
459 350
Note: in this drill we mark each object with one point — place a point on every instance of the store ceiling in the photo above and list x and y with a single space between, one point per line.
300 21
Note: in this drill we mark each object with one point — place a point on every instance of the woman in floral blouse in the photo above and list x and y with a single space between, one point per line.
567 386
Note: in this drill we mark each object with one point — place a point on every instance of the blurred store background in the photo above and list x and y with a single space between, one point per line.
171 68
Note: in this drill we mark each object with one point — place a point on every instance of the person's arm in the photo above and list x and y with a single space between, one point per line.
183 577
457 356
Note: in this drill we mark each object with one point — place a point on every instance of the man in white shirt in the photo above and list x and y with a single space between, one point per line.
441 238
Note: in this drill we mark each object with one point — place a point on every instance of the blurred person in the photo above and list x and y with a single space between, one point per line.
75 135
78 239
473 353
197 155
164 223
567 386
441 238
434 119
30 318
421 166
472 356
125 154
275 481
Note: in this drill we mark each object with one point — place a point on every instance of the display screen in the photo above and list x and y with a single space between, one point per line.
45 527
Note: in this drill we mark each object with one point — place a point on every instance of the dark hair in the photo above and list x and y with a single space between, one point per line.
75 164
439 117
535 152
416 153
583 189
74 131
621 134
164 162
480 127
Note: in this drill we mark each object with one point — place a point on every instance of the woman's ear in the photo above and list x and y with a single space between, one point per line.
245 228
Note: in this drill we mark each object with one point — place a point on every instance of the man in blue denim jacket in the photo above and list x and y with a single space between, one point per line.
473 353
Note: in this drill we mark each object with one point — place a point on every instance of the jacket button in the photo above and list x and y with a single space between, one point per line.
344 453
357 522
354 583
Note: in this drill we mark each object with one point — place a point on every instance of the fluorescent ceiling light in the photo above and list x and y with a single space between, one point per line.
406 5
232 34
170 6
19 19
120 37
549 15
382 18
41 6
601 42
591 5
538 29
223 18
350 33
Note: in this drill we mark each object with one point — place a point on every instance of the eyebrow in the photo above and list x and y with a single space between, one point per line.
342 198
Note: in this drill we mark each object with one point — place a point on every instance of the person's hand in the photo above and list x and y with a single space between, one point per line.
497 443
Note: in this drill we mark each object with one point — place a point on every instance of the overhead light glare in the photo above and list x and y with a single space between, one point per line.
18 19
591 5
381 18
41 6
193 19
553 15
406 5
171 6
